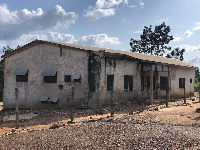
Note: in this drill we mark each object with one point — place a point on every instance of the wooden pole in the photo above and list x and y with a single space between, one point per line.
168 87
169 84
112 104
72 106
17 108
184 93
151 85
142 97
167 104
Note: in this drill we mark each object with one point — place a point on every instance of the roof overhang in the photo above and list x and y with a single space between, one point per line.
20 71
49 72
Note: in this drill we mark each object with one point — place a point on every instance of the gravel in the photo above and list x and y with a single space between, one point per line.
133 131
127 132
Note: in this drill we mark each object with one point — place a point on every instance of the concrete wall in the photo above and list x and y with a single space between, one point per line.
73 62
122 67
176 73
187 73
36 59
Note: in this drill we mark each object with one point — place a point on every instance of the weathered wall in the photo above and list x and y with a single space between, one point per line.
176 73
122 67
187 73
73 62
36 59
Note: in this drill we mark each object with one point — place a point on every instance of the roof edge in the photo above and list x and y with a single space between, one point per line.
88 48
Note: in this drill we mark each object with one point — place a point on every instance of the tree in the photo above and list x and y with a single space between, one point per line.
1 78
196 72
5 51
155 42
177 53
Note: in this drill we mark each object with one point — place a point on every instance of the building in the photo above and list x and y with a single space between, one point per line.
45 74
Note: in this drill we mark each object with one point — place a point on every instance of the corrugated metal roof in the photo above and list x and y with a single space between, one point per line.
140 56
44 98
49 72
53 99
20 71
77 76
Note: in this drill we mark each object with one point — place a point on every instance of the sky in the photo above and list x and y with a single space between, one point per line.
101 23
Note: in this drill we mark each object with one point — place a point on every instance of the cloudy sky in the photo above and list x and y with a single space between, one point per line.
102 23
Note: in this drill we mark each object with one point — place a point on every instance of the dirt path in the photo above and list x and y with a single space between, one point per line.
177 115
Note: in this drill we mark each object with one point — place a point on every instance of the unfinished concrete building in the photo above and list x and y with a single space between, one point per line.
45 74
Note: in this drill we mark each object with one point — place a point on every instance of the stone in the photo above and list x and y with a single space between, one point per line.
198 110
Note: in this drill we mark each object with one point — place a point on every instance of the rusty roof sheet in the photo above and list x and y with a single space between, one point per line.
140 56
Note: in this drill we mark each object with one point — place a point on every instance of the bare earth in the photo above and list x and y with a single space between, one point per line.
175 127
1 106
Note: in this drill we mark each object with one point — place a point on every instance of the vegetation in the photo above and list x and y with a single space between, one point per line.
1 78
5 51
197 80
155 42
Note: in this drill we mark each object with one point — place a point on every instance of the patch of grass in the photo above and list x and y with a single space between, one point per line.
86 130
142 129
196 85
151 132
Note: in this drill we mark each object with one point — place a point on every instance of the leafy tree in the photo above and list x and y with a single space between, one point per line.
196 72
155 42
5 51
1 78
177 53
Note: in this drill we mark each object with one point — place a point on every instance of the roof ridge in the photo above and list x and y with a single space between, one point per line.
141 56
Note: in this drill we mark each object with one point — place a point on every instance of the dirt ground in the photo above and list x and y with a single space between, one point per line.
176 114
157 127
1 106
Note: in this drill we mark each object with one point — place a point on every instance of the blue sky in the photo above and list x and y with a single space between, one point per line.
102 23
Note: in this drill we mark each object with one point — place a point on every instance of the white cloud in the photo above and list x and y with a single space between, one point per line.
55 36
2 44
96 14
91 40
188 33
99 40
197 23
196 28
161 20
141 3
6 16
176 38
15 24
24 39
106 8
189 48
108 3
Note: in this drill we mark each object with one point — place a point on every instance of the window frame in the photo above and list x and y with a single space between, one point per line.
163 83
181 82
50 79
110 82
77 80
22 78
128 83
66 78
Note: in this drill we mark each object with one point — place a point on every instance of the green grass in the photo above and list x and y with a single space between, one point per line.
197 87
